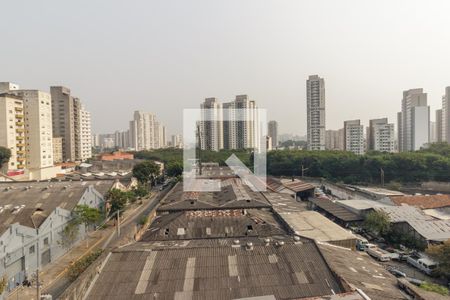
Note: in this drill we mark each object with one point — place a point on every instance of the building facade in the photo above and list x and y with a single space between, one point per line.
146 132
57 150
12 132
83 144
381 136
439 126
211 125
315 98
446 116
354 137
414 121
334 139
272 131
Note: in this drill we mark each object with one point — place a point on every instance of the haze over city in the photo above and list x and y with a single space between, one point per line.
165 56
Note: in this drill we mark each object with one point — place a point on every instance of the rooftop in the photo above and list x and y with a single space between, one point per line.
215 270
233 195
361 271
423 201
32 202
311 224
213 224
336 210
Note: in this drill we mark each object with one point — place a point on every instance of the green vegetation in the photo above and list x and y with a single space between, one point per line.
432 163
146 172
291 143
82 264
5 154
174 168
143 220
377 222
82 214
441 253
119 199
432 287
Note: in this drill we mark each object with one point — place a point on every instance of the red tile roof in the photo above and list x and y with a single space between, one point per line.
422 201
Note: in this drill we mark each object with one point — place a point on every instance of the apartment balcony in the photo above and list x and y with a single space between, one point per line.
20 145
20 152
20 130
20 166
19 138
18 109
19 116
19 124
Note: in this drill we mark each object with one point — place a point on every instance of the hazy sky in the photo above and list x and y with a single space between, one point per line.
163 56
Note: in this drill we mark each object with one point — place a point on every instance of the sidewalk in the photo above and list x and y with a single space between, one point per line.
53 271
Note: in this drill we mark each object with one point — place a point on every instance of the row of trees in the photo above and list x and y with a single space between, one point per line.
432 163
5 154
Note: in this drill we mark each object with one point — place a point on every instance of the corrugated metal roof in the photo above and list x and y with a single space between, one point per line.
204 273
336 210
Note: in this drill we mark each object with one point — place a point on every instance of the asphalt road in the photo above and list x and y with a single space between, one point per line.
127 231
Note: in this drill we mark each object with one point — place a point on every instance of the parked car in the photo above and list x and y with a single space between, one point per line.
377 253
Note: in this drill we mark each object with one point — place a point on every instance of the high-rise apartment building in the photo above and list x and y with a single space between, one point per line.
315 98
354 137
381 135
414 121
71 122
176 141
122 139
211 125
272 131
162 136
83 143
446 116
231 125
12 131
146 132
334 139
439 126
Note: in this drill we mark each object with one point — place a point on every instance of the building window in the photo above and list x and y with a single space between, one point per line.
31 250
46 241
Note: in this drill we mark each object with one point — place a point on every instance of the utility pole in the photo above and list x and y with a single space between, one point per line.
38 285
118 224
382 176
199 154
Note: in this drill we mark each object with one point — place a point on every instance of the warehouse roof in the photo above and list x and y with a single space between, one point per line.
32 202
311 224
215 271
336 210
234 194
423 201
361 271
213 224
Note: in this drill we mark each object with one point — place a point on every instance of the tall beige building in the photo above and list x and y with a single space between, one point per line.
146 132
446 116
354 137
315 99
71 122
439 126
12 131
380 135
211 125
57 150
334 139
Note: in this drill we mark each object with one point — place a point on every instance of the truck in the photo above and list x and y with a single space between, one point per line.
361 244
377 253
423 263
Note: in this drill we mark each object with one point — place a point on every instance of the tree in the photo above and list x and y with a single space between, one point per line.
118 199
441 253
174 168
86 215
5 154
377 222
146 171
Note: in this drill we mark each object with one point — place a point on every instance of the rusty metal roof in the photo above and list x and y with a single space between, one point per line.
336 210
213 224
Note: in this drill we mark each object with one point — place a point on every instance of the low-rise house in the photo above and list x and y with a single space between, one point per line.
298 189
33 216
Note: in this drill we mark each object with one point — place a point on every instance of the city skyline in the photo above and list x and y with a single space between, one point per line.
379 55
